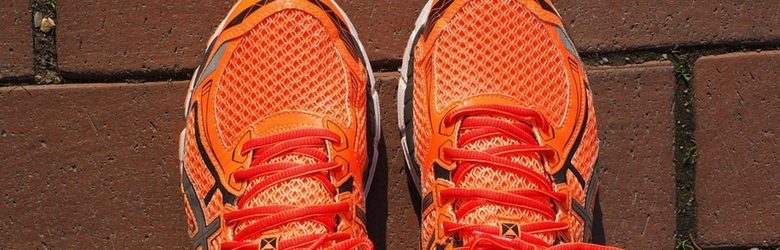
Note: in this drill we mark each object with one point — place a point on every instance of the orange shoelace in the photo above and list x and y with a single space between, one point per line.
517 123
262 219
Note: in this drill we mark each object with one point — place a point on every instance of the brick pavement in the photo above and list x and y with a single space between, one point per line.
16 40
59 138
738 109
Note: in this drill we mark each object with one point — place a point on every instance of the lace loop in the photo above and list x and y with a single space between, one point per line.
511 112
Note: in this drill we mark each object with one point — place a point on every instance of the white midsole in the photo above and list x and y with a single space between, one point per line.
402 85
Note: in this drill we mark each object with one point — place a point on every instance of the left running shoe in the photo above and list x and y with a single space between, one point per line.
281 131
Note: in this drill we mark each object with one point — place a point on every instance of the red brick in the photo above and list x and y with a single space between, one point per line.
384 26
91 166
612 25
600 25
737 113
128 37
98 133
390 201
636 128
108 38
16 44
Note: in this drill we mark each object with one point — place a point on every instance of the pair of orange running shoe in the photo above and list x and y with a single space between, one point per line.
494 109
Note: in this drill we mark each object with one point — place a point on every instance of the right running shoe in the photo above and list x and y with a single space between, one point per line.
498 127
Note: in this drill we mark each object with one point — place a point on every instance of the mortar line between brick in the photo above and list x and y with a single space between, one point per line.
45 66
592 58
636 57
639 56
684 144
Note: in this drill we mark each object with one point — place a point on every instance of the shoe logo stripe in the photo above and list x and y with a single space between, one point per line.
204 231
227 196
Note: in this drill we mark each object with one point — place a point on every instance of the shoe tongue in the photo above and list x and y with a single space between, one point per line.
299 192
491 178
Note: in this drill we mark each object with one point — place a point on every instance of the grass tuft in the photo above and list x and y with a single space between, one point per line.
687 244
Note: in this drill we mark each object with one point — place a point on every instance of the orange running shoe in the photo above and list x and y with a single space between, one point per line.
498 126
281 133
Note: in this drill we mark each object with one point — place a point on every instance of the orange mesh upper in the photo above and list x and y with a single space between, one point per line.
577 226
428 226
290 55
586 155
491 47
287 62
584 161
215 240
284 66
422 127
199 175
192 226
575 189
202 181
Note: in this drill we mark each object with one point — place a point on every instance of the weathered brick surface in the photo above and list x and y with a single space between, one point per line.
384 26
104 38
605 25
16 40
116 144
636 128
91 167
611 25
127 37
737 113
390 201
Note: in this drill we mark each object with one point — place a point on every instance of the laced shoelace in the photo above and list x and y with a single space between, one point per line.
263 219
517 123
